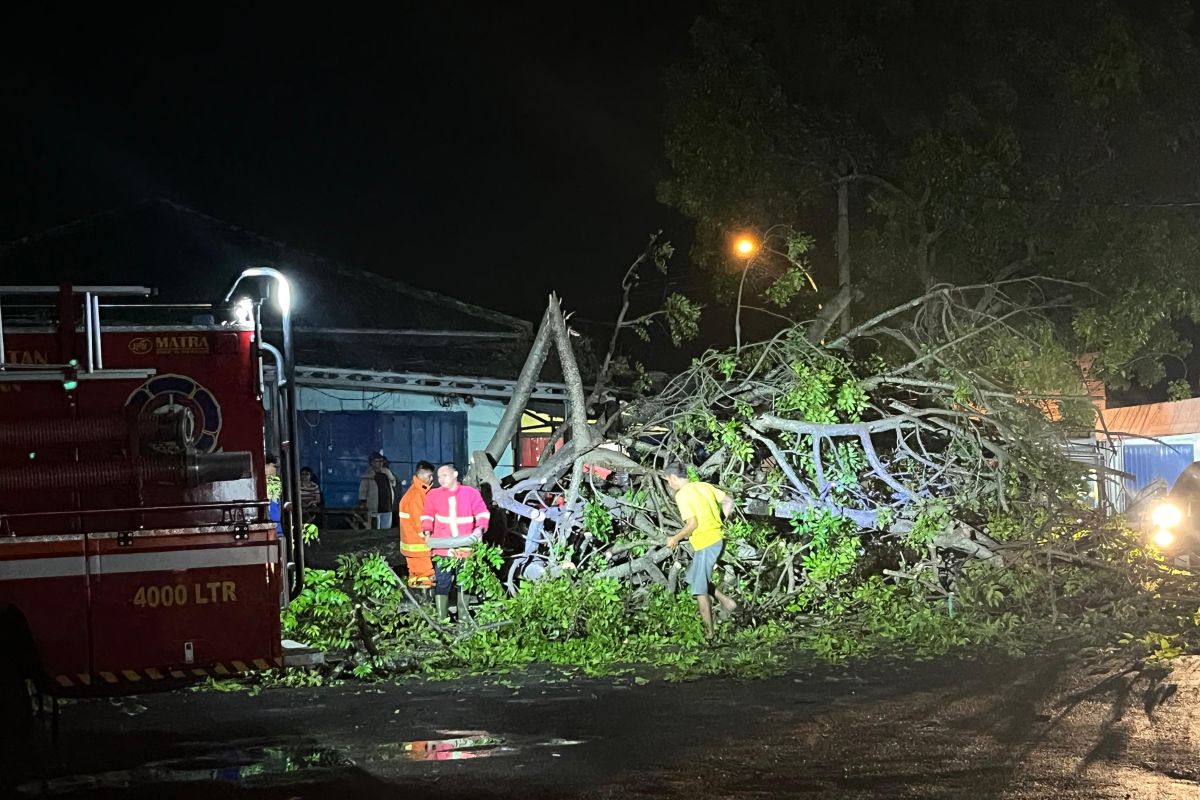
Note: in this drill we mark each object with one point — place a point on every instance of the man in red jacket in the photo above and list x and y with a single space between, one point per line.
455 518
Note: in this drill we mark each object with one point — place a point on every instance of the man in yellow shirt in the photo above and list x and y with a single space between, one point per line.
701 507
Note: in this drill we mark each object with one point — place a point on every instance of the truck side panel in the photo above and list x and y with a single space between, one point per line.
195 600
136 580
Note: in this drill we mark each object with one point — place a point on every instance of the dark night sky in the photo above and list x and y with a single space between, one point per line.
493 156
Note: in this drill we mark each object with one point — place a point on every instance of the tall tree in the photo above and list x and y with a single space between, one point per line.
956 142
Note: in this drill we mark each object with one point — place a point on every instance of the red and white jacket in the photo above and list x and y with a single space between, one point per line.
453 513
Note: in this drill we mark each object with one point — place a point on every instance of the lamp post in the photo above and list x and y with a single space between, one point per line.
744 247
289 447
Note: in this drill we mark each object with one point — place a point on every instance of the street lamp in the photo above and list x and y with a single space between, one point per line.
744 247
286 396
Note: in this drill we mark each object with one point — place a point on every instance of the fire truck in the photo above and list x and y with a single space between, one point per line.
137 545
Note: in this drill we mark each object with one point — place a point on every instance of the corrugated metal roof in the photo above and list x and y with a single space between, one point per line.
1155 419
190 257
487 359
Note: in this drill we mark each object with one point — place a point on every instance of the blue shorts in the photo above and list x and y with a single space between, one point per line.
699 574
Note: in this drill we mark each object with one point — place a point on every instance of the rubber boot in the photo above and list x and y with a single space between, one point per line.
443 607
464 606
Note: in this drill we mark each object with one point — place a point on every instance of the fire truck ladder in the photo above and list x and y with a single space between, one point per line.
93 368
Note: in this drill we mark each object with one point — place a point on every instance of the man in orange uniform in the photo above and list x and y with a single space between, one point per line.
413 546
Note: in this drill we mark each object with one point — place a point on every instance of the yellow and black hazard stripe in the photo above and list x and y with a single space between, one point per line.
151 674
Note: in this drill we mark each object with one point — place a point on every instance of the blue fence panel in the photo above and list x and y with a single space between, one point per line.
434 436
343 440
1149 461
336 445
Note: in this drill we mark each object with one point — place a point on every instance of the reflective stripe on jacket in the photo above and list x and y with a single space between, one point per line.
451 514
412 506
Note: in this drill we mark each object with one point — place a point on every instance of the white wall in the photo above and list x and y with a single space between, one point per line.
483 415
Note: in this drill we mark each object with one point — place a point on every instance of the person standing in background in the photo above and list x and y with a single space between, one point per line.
274 492
377 492
310 496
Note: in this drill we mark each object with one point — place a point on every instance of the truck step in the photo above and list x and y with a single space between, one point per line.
296 654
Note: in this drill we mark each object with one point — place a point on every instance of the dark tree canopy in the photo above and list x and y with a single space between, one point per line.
972 141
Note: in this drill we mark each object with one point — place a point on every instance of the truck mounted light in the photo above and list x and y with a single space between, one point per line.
1166 515
243 310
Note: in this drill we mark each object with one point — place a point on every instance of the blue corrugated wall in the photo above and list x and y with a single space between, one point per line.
336 445
1149 461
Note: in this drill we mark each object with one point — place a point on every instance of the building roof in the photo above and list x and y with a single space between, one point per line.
496 358
189 257
1155 419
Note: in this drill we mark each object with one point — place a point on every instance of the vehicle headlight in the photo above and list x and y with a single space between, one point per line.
1163 538
1167 515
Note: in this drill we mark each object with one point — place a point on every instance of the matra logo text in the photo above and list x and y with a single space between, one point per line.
192 345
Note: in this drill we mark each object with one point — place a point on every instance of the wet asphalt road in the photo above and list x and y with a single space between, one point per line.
1047 727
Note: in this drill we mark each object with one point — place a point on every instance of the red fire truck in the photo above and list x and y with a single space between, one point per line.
137 548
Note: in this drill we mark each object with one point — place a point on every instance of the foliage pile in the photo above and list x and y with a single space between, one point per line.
369 626
1109 592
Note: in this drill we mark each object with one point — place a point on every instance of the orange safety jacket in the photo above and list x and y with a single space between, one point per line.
412 506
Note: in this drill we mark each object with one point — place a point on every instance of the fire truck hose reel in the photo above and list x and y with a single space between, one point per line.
202 468
191 469
173 428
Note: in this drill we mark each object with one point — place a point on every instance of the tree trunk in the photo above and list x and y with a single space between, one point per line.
510 421
576 412
843 245
832 311
923 274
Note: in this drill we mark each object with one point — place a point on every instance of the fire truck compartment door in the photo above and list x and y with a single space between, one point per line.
184 600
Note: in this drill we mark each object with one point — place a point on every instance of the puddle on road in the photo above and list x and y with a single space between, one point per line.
460 745
264 765
473 745
239 766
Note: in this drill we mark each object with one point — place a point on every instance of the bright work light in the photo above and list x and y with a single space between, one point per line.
1167 515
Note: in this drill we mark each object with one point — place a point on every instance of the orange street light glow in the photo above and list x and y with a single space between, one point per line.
745 246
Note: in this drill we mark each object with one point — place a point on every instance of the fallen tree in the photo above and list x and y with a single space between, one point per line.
920 426
904 484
